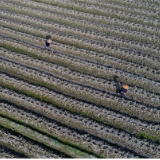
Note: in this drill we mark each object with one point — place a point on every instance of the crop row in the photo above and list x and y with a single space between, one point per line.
35 135
98 57
132 68
127 3
73 120
81 92
24 146
6 152
150 3
110 12
63 102
100 6
106 39
138 36
98 83
120 5
91 9
130 124
80 139
91 67
132 56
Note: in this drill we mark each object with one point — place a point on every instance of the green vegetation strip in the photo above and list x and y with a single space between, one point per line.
145 136
36 136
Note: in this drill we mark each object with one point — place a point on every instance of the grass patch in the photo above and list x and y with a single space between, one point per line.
148 137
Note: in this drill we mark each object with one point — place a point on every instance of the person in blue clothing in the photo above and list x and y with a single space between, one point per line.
48 42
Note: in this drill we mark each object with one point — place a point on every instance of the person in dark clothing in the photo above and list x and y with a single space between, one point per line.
124 90
121 89
48 42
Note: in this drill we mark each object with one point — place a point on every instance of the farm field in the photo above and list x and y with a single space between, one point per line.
62 102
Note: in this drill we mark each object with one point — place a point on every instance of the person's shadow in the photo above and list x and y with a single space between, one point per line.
118 85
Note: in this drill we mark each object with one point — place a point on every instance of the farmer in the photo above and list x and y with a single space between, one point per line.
48 41
124 90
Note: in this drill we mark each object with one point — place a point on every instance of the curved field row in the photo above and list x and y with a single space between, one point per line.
98 57
119 14
108 39
79 91
95 69
117 31
34 134
6 152
80 139
122 6
120 137
78 77
95 37
38 93
26 147
63 102
137 5
75 106
71 75
85 9
126 3
132 56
